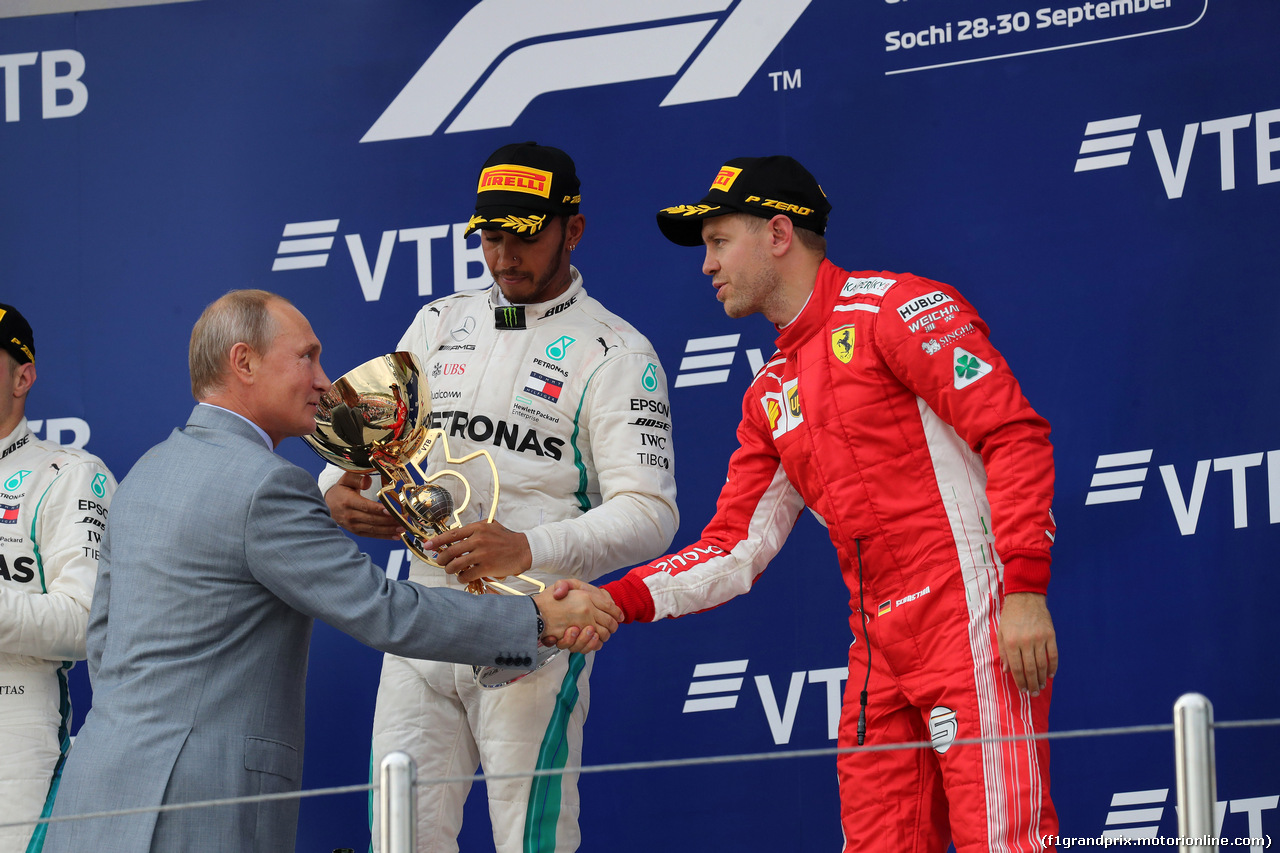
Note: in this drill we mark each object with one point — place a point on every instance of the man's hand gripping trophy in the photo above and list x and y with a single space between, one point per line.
373 422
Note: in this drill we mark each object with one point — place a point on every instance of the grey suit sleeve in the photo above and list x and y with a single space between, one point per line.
295 549
96 631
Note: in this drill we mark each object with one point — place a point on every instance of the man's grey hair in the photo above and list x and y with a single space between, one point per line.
240 316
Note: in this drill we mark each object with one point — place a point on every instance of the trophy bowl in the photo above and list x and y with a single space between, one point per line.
375 419
381 404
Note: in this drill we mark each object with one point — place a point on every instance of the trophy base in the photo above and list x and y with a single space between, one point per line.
501 676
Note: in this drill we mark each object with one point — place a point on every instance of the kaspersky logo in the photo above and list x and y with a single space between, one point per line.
1109 144
481 76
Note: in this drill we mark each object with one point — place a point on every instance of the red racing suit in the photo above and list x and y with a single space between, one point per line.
887 411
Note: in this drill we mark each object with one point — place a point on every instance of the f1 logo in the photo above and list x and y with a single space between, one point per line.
741 42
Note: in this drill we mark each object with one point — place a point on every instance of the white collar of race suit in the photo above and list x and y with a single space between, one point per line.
509 316
7 443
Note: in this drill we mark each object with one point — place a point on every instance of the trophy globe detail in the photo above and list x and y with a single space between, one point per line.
375 420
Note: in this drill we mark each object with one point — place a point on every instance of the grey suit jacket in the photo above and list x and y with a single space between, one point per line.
218 554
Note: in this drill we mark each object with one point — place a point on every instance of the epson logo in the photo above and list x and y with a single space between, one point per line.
615 42
711 690
1119 477
1108 144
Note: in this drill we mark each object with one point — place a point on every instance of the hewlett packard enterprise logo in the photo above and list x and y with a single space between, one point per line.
715 46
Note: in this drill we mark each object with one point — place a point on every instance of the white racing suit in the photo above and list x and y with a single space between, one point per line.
53 511
571 401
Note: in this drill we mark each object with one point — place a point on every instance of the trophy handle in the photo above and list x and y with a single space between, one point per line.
391 501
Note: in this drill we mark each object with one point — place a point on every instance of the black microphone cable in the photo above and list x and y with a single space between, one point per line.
862 610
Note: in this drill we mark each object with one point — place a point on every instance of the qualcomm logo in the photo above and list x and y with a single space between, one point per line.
711 365
1108 143
307 245
1120 477
1137 814
710 690
531 45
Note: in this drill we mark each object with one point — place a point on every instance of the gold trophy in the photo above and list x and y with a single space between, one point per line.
375 419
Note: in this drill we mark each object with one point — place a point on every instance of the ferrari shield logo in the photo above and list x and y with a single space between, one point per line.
842 343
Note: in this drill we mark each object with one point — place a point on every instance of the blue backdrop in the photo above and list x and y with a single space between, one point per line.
1102 181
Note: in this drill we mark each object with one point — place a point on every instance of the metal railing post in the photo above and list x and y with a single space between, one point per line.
397 820
1197 776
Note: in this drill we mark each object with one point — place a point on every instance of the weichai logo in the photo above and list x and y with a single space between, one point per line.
520 179
481 76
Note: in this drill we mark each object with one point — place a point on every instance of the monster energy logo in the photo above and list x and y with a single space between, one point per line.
650 378
557 348
509 317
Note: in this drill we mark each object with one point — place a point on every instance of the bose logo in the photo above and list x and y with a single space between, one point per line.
541 35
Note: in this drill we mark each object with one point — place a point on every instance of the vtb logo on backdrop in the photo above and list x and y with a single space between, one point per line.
646 39
1120 477
1109 142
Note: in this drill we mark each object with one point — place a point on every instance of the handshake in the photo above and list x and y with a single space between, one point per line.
577 616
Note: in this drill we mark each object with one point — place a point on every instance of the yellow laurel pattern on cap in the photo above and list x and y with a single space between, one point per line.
690 209
521 224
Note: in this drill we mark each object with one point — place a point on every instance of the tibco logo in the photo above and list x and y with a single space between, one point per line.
1119 478
1109 142
540 35
716 693
712 366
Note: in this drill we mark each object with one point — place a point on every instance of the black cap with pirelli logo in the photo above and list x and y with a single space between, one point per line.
15 335
760 186
522 187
